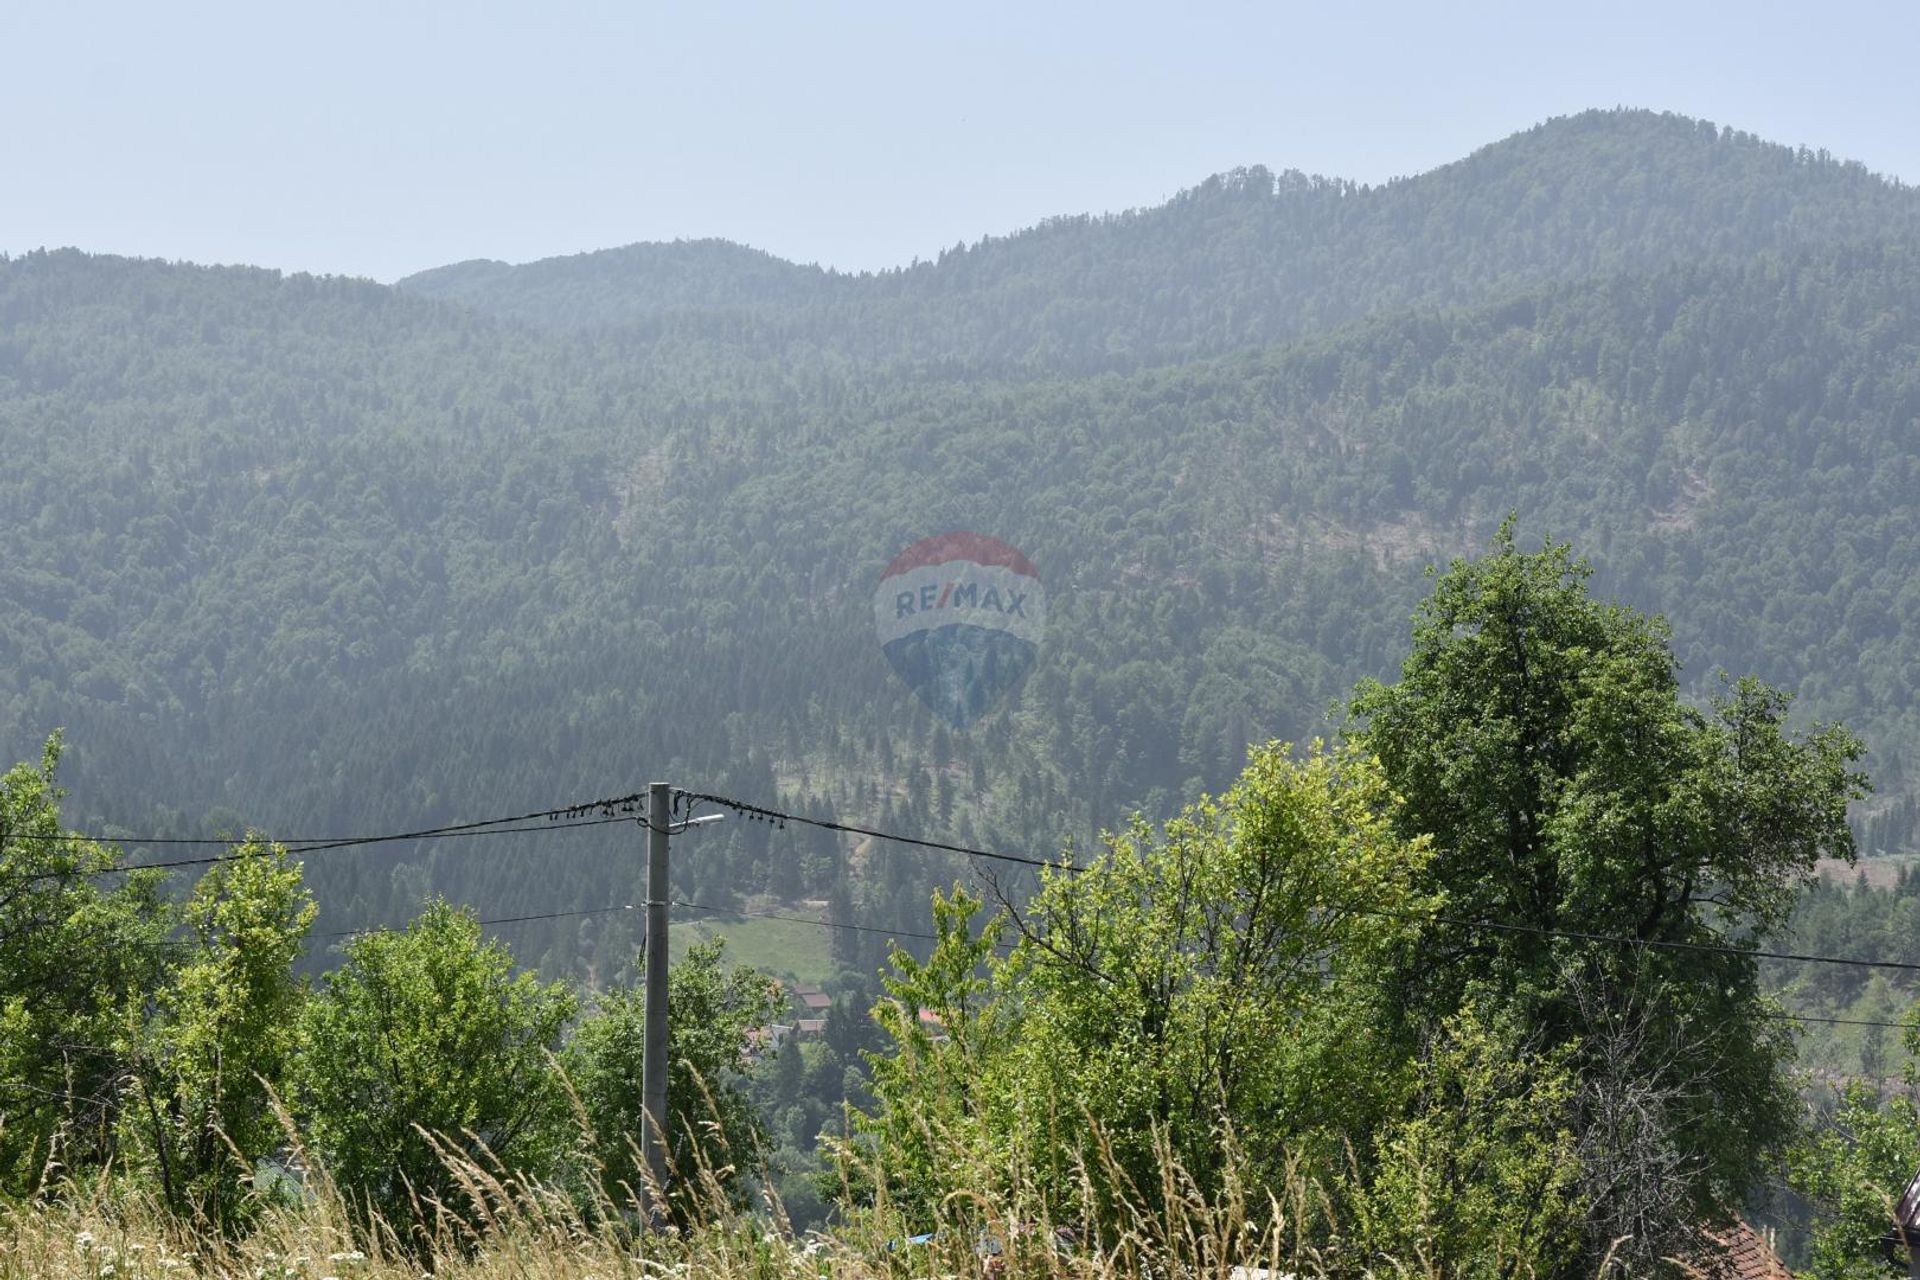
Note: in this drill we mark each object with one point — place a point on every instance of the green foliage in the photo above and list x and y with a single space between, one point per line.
76 963
714 1133
1479 1173
1246 258
1854 1167
928 1130
1539 736
1854 1170
1207 980
201 1115
1215 975
425 1038
469 557
1856 917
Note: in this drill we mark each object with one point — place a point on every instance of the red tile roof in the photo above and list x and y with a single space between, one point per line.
1736 1252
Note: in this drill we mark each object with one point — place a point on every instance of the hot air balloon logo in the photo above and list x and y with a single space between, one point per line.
960 616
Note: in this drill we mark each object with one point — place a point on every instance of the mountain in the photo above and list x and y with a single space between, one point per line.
1245 258
616 286
326 556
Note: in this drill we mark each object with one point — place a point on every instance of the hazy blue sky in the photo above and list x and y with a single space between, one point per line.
378 139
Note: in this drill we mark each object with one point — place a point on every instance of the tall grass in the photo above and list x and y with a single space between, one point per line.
1004 1227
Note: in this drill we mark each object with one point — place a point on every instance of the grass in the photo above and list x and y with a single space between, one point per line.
493 1225
515 1231
782 948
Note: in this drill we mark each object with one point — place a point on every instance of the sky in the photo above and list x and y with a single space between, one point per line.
378 139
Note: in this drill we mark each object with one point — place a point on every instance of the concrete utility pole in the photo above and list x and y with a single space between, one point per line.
653 1073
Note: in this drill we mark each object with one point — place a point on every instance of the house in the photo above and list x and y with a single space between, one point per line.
811 1027
811 998
1735 1251
767 1039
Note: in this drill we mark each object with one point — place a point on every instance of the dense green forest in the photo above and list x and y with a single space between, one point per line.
1480 987
320 556
323 556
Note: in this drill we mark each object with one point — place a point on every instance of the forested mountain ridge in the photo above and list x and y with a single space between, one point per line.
611 285
319 554
1245 258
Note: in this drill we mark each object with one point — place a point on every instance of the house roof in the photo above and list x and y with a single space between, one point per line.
1735 1251
1908 1212
1905 1232
816 1000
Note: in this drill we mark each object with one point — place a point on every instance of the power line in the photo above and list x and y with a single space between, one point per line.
1712 948
366 930
765 814
1780 1015
1839 1022
361 841
488 921
614 809
569 811
569 816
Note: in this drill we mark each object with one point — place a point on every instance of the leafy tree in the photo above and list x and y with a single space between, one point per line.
76 964
1853 1170
1209 977
927 1132
1215 974
428 1031
714 1131
221 1037
235 500
1539 737
1479 1172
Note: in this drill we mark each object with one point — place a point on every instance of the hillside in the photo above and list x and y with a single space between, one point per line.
1245 258
328 556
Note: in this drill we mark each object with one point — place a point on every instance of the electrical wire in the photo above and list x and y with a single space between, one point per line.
1780 1015
559 819
765 814
1711 948
568 811
488 921
1839 1022
570 816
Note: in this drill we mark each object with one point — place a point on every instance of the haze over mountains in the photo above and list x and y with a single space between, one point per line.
1248 258
322 554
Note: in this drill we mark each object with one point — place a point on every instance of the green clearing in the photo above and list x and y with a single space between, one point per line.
783 948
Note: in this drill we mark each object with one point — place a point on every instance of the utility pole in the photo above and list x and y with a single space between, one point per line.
653 1065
